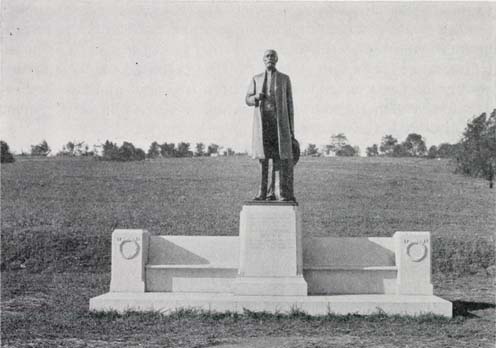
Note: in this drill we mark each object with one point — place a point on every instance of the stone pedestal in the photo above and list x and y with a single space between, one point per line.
270 260
413 259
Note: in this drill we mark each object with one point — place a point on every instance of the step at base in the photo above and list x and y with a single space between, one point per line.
313 305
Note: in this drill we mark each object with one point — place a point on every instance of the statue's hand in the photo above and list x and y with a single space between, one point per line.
259 96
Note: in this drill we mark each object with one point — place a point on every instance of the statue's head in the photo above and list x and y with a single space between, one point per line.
270 59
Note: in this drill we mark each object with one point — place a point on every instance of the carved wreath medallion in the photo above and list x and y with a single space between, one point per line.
416 251
129 249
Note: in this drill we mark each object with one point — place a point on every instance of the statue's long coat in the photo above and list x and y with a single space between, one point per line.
284 109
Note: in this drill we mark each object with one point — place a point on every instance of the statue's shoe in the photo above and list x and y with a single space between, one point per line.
271 198
260 198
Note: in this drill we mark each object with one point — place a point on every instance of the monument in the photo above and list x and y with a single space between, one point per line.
273 265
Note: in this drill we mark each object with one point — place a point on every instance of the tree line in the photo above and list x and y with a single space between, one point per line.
127 151
413 146
474 154
182 149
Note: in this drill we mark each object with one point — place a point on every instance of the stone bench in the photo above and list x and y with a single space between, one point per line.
330 265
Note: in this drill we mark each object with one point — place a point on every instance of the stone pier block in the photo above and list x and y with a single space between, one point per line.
129 257
413 260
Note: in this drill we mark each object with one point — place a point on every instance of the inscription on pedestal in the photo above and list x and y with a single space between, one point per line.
269 239
262 234
270 252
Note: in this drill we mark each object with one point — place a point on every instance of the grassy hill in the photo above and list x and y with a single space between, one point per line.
58 216
60 213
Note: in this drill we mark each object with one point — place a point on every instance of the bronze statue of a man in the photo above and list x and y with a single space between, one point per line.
273 130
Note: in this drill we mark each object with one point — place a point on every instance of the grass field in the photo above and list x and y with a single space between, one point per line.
58 216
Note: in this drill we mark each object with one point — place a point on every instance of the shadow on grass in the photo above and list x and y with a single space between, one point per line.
463 308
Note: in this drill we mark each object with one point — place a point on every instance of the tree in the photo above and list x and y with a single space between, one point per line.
86 151
200 149
74 148
432 153
357 150
5 155
477 151
446 150
414 145
128 152
69 148
311 150
167 150
140 155
183 150
388 143
212 149
154 150
346 151
110 151
42 149
337 142
372 151
399 150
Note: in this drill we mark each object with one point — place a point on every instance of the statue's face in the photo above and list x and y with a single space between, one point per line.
270 59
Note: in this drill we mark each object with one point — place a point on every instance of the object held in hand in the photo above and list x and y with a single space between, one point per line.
296 150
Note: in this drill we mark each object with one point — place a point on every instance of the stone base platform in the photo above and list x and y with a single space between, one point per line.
313 305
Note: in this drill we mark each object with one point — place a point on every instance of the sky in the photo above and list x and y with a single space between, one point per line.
144 71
